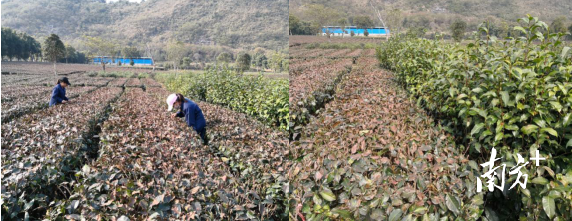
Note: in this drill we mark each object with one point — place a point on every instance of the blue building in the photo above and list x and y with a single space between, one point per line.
124 61
337 31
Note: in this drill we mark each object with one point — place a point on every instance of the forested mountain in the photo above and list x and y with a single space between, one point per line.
433 15
240 25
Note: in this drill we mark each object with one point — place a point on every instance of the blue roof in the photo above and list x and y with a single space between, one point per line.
338 30
137 61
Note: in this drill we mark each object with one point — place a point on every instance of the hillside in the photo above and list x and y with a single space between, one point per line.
225 23
435 15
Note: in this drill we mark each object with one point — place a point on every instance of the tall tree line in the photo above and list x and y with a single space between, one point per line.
20 46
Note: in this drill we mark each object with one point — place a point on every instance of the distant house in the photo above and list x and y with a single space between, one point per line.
124 61
338 31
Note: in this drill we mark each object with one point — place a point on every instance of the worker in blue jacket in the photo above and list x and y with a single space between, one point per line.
59 92
192 113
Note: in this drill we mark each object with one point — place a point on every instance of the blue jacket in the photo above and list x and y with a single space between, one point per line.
58 95
193 114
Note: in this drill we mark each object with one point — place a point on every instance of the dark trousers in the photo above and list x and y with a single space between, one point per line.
203 133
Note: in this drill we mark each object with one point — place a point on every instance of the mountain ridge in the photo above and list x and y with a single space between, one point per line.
225 23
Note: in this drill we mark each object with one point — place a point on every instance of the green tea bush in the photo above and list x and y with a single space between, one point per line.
514 95
265 99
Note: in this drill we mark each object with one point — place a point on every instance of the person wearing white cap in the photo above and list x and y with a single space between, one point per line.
192 113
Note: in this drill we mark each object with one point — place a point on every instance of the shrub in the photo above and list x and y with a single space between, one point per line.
256 96
513 95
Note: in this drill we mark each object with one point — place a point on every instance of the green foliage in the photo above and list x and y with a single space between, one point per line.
73 56
19 45
130 52
99 46
243 61
261 61
363 22
224 57
514 95
277 62
298 27
321 14
458 30
558 25
418 32
186 62
262 98
175 52
54 48
285 64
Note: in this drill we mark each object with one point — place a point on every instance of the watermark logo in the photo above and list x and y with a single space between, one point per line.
491 174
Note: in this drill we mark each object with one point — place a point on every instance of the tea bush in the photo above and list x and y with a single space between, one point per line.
514 95
262 98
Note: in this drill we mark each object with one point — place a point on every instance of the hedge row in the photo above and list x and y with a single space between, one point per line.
514 95
265 99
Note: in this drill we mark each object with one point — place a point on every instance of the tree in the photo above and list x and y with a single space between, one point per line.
243 61
197 56
458 29
29 46
99 47
395 20
276 61
558 25
293 24
19 45
131 52
175 52
285 65
363 22
417 32
70 53
322 15
298 27
261 61
570 30
54 49
73 56
224 58
343 23
258 51
186 62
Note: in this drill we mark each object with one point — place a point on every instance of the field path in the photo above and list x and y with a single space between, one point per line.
372 153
